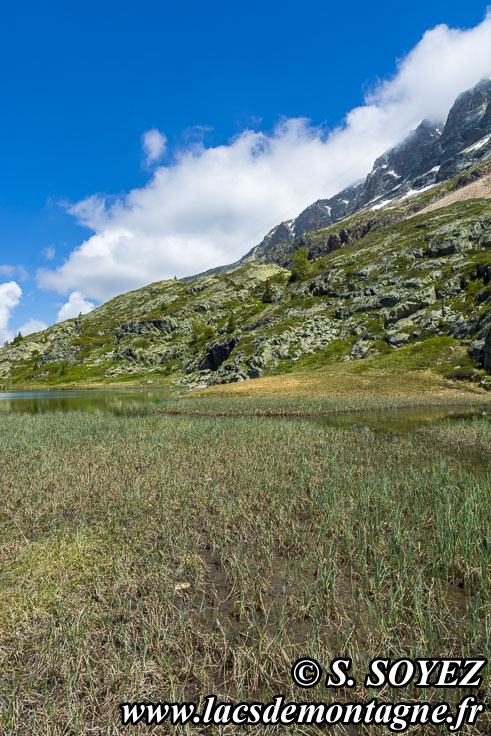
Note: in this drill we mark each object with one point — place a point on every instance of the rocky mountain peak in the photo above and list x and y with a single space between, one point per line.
430 154
469 120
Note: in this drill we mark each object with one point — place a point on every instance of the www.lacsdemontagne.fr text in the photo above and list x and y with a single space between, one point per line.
397 717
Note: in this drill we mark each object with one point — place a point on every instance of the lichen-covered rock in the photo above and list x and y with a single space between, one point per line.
476 349
360 350
390 299
59 351
150 327
410 306
444 247
397 339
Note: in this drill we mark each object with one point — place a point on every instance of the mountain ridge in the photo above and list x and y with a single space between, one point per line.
368 284
412 162
426 157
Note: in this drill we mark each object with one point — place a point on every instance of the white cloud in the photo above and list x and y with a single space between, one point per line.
49 252
10 294
9 271
210 205
75 305
32 325
153 143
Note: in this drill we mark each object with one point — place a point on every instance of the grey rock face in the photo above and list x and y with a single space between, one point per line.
153 326
486 356
217 354
390 299
476 349
445 247
360 350
127 353
410 306
59 351
468 122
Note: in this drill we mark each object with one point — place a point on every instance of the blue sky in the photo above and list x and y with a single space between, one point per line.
82 83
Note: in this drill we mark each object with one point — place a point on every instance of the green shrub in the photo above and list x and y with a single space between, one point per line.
300 264
231 324
267 296
463 373
201 332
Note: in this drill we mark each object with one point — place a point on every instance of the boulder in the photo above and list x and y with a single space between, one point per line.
410 306
397 339
403 324
444 247
389 299
476 349
359 350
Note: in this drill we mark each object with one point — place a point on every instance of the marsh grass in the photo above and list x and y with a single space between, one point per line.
468 442
169 557
209 403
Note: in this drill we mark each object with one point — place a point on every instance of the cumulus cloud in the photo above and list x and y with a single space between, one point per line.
75 305
10 294
211 204
32 325
153 143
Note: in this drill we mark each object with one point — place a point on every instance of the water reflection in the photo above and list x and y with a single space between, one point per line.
414 421
124 401
398 420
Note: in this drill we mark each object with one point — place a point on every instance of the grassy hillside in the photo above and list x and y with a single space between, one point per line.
403 296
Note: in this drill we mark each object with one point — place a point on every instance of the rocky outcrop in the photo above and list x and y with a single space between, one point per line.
463 141
58 352
486 354
410 306
150 327
216 354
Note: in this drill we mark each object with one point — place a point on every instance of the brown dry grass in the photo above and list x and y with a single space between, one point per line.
334 383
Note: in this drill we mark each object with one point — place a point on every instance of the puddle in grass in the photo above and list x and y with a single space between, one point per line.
421 422
399 421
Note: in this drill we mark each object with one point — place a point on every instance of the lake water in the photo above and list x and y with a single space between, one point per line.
406 421
114 401
128 401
